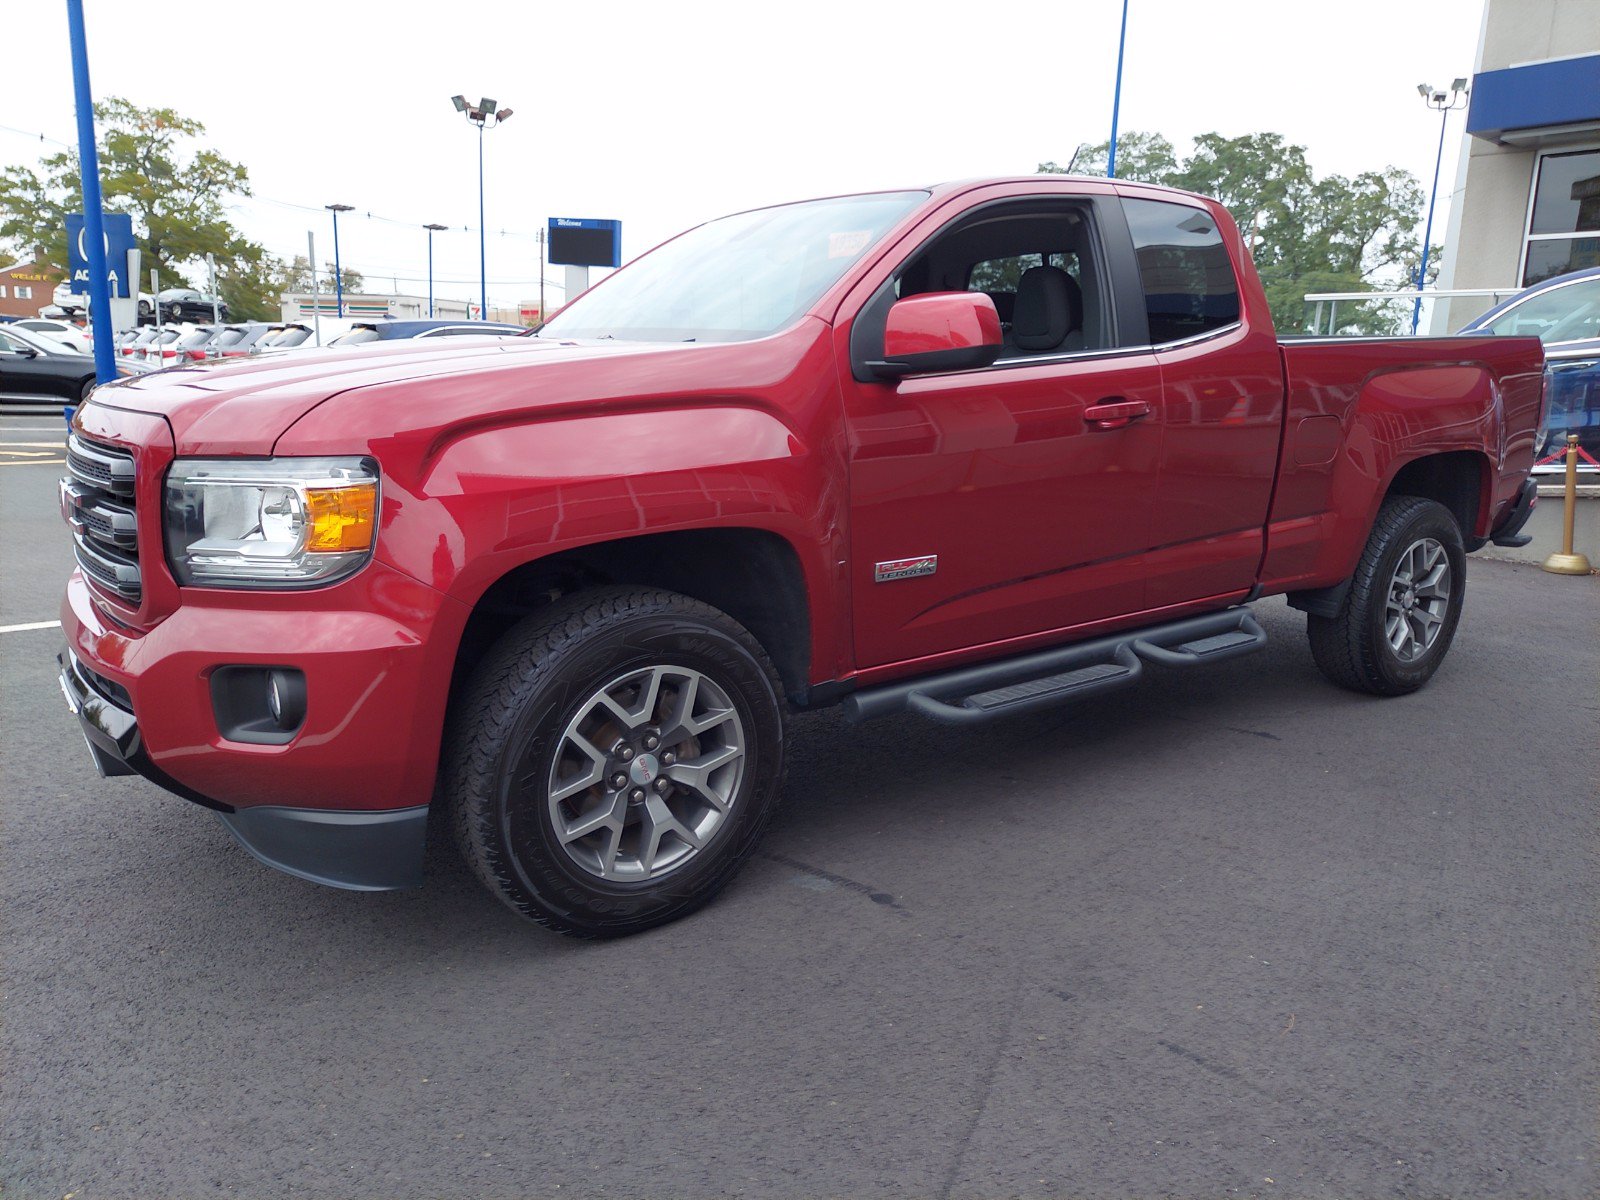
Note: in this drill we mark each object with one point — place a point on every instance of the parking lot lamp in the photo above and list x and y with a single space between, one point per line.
484 116
1445 103
432 229
1116 97
338 275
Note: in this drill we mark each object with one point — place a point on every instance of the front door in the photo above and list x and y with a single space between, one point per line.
990 504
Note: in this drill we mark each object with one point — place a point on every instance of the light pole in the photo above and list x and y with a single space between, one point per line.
484 117
1116 97
338 273
1445 103
432 229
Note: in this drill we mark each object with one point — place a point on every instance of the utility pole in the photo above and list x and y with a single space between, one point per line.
338 271
316 301
432 229
541 275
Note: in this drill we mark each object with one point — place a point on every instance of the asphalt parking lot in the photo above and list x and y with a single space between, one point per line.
1231 933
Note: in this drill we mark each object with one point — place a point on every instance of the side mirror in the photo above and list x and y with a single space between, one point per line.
939 331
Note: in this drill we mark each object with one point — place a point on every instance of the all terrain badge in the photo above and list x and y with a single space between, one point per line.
905 568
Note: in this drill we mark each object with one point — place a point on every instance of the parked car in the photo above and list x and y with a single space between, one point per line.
73 337
72 303
569 587
179 344
187 304
1564 314
240 341
384 331
132 343
33 368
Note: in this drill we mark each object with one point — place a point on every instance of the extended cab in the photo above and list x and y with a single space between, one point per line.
966 451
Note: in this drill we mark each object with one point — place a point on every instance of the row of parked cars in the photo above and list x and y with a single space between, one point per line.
174 345
46 356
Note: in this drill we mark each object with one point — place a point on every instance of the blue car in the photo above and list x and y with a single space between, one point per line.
1564 314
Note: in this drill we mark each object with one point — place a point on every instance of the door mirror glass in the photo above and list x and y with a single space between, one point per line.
939 331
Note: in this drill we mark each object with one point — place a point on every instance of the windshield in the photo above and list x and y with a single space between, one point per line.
741 277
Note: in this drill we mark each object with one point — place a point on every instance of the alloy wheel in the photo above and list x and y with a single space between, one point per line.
646 773
1419 597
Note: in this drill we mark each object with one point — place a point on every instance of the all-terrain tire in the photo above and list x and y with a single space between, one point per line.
512 732
1354 648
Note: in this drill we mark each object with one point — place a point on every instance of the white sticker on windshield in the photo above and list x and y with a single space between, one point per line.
848 245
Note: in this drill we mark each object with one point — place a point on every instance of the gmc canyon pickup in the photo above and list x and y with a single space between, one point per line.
963 451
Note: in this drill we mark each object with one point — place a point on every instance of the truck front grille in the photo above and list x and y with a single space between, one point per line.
97 502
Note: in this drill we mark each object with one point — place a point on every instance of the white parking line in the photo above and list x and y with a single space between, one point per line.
30 625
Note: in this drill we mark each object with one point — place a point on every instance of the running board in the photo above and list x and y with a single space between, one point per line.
969 695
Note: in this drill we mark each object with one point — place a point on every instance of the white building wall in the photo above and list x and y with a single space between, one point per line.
1489 208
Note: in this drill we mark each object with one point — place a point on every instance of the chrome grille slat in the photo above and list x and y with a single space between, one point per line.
100 467
97 502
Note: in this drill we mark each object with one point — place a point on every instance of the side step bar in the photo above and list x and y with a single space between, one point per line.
969 695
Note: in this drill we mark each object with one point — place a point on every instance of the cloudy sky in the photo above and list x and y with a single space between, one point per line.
665 114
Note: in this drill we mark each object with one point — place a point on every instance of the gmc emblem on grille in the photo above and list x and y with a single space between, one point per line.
905 568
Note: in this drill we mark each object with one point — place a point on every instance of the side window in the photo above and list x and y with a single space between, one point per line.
1188 280
1563 314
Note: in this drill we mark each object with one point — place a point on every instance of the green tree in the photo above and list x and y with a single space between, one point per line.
1333 234
297 277
176 190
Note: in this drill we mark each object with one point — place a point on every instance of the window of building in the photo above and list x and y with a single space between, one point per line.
24 291
1189 287
1564 217
2 291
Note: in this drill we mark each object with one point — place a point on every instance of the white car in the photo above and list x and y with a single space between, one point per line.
74 337
71 302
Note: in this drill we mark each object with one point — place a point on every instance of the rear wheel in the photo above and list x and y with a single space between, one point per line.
614 760
1399 616
177 312
88 386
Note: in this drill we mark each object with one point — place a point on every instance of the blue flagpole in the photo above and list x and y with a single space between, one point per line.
94 230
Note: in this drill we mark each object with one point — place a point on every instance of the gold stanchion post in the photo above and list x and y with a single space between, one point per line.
1568 562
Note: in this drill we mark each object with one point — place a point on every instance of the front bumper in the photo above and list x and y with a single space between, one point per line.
345 801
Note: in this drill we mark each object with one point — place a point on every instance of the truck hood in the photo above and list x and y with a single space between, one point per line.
243 408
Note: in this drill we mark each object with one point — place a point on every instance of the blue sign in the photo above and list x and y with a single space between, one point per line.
119 240
584 242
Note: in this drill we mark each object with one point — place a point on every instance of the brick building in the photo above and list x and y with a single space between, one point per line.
25 288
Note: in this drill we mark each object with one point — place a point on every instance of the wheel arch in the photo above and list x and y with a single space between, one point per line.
1461 480
766 594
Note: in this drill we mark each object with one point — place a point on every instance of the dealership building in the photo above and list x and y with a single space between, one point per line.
1527 193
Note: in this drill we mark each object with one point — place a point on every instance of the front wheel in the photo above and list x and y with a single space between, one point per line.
614 760
144 309
177 312
1399 617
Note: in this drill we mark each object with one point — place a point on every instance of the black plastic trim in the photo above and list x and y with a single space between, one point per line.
358 851
1320 602
1509 531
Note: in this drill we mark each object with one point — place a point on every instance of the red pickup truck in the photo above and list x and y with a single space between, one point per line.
964 451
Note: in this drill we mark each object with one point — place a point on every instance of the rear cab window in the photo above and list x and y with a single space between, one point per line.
1184 268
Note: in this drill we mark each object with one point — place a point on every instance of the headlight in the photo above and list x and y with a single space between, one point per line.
273 523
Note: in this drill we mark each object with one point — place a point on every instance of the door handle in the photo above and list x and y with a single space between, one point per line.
1114 413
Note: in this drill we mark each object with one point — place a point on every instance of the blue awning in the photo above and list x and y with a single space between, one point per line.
1534 97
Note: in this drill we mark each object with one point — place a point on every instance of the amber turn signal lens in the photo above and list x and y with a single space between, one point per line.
341 519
